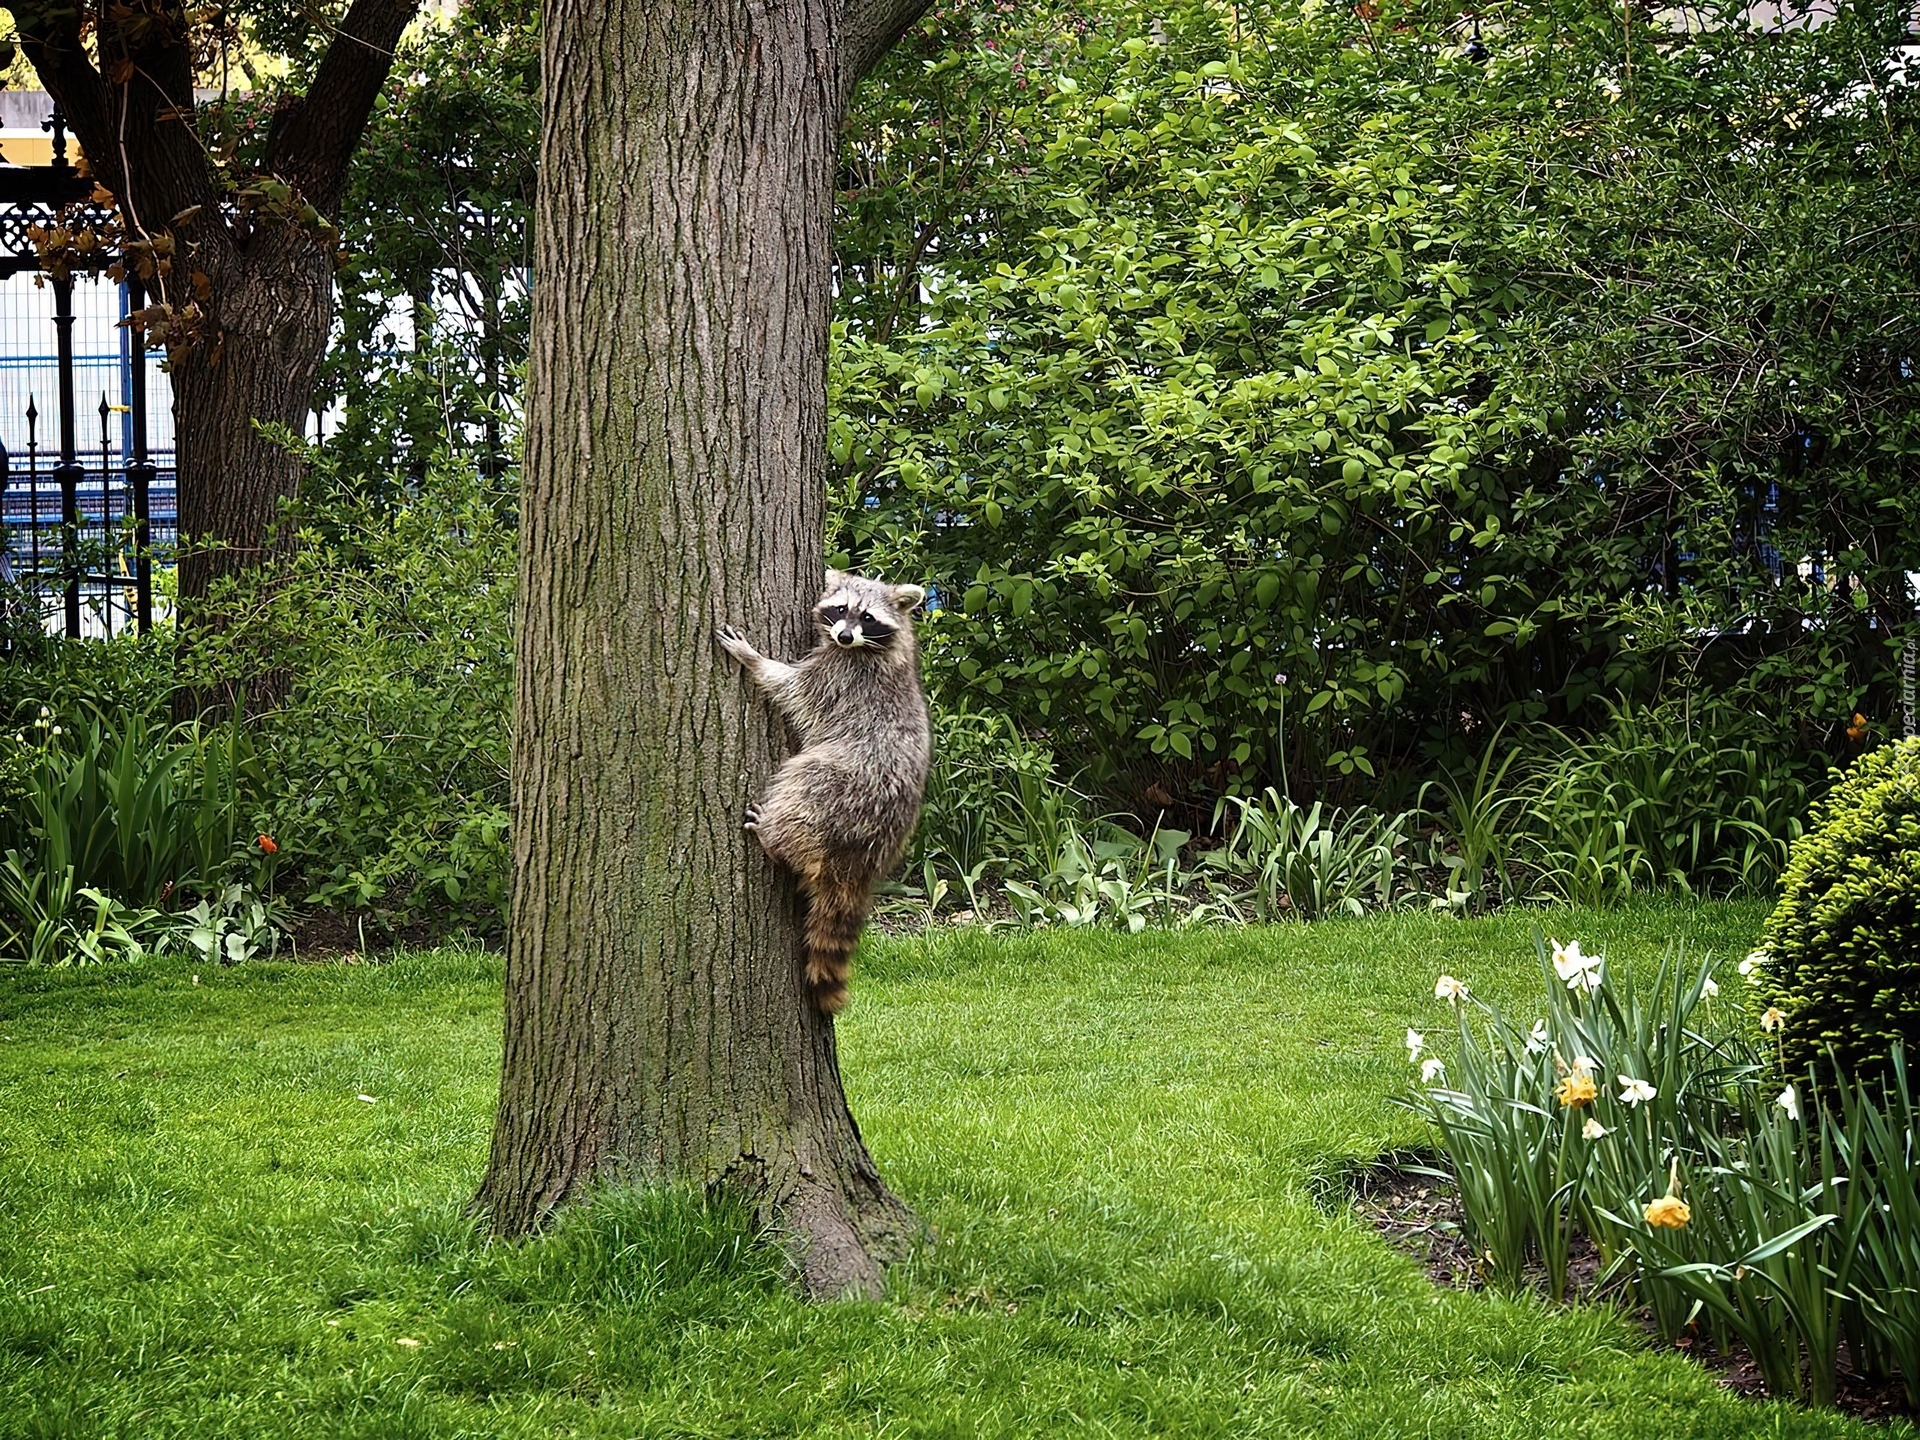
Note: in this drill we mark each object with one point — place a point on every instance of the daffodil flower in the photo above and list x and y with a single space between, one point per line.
1789 1102
1593 1129
1537 1038
1755 959
1576 1088
1448 988
1585 1064
1669 1212
1709 987
1633 1091
1415 1042
1773 1019
1580 972
1431 1069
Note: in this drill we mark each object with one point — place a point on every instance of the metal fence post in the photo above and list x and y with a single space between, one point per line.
68 470
140 473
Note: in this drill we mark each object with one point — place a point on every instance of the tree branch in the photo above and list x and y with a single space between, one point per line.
867 31
50 38
134 128
313 139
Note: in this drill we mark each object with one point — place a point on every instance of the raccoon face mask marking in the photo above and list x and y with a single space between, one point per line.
857 614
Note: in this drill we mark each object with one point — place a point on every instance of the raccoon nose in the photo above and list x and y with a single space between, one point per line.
846 637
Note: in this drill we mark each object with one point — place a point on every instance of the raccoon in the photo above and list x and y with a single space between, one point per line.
839 812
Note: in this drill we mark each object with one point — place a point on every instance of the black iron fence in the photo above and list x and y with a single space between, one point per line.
79 539
83 517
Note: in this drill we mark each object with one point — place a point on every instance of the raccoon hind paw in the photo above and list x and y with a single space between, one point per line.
751 818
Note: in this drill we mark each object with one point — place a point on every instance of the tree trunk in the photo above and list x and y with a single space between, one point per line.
253 291
657 1028
267 336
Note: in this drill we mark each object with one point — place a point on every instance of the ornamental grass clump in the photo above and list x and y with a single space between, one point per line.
1782 1219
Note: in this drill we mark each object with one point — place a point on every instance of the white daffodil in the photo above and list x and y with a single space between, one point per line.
1709 987
1537 1038
1431 1069
1593 1129
1580 972
1448 988
1773 1019
1755 959
1789 1102
1633 1091
1415 1043
1584 1064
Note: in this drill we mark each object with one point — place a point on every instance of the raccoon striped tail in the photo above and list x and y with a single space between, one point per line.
835 913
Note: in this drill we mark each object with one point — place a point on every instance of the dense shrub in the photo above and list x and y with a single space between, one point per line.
390 636
1276 393
1843 945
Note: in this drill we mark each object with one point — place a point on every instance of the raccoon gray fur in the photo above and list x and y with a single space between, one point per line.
840 811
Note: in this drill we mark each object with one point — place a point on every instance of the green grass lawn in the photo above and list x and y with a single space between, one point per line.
235 1208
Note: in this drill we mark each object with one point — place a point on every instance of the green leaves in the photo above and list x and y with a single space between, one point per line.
1332 364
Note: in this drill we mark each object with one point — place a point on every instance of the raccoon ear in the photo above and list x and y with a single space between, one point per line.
908 596
835 578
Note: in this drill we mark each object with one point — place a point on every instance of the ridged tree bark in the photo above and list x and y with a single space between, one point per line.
657 1029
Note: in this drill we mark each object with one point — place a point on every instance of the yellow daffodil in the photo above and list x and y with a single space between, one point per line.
1669 1212
1576 1088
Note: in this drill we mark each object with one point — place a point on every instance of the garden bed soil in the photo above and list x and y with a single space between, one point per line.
343 934
1419 1215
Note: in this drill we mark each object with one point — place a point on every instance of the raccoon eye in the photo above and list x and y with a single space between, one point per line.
832 613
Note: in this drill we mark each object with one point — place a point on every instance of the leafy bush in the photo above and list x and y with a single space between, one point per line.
390 636
1280 395
1843 945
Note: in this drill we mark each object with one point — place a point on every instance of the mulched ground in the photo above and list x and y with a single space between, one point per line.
1420 1216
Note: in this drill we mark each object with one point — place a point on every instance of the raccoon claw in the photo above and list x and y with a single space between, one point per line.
734 641
752 821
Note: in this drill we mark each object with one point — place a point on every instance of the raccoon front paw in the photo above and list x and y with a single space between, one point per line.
752 818
734 641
